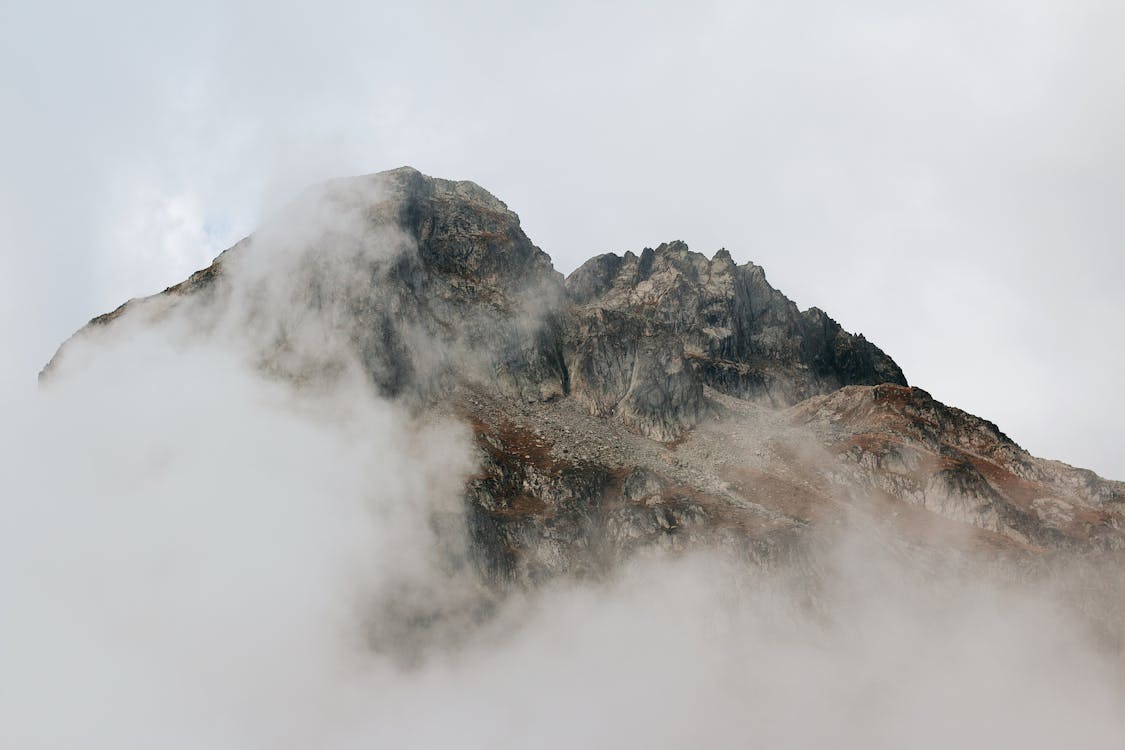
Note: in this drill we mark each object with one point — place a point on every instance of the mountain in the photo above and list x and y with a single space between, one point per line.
660 400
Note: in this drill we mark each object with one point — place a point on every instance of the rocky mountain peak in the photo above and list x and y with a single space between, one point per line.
462 229
653 398
742 336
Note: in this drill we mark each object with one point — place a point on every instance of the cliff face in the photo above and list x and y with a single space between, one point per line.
743 337
655 400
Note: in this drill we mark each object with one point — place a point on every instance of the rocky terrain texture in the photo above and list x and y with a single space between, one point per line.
650 401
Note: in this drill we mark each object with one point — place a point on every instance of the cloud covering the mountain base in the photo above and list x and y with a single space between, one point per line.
193 555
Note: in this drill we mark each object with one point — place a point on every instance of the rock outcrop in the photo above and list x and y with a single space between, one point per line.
659 400
741 335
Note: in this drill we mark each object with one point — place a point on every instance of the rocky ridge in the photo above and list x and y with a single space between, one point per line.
658 400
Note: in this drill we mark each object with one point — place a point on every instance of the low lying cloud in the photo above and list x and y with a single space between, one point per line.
196 556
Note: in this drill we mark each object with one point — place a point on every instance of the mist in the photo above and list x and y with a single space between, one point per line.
206 543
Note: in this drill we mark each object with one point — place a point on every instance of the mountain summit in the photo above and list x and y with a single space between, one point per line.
654 399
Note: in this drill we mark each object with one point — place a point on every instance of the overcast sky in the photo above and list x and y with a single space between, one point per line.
945 177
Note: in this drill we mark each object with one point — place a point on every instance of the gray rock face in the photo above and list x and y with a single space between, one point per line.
742 336
620 367
653 401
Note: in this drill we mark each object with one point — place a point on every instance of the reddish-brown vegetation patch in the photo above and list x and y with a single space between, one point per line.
508 443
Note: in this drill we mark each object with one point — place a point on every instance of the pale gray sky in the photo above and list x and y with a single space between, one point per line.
945 177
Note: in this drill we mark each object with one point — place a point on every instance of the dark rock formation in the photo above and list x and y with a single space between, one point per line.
652 401
742 336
